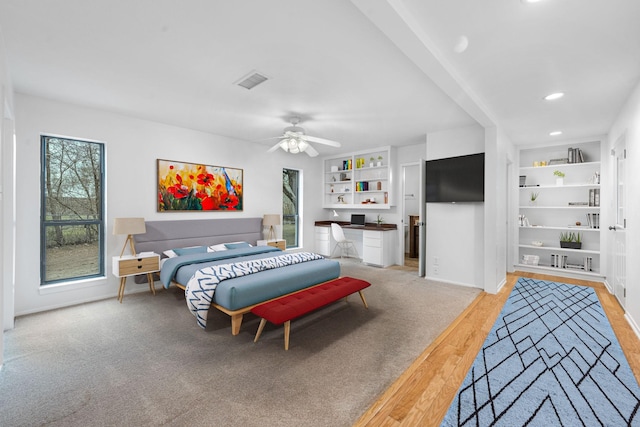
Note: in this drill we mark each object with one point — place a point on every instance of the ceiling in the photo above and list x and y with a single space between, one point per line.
362 72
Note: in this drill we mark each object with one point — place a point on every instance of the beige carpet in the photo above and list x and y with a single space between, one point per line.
145 362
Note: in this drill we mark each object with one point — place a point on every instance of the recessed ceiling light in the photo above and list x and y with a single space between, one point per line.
555 133
529 1
553 96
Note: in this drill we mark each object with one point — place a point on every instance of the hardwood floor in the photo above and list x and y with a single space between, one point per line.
423 393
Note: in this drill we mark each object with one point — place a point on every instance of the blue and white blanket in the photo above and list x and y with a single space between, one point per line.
200 289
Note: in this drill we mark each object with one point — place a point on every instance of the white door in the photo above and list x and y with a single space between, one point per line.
412 186
619 249
422 231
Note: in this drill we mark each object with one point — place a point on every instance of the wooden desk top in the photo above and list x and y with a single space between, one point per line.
368 226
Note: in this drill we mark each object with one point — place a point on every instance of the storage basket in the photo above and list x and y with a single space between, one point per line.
530 259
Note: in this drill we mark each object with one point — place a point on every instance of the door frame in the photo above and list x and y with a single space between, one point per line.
402 243
617 242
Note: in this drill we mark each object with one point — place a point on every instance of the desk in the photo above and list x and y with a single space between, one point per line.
375 244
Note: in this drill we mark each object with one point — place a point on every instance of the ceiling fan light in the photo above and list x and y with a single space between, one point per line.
302 145
284 145
294 148
554 96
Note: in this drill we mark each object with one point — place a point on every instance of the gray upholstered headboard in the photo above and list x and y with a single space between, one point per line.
163 235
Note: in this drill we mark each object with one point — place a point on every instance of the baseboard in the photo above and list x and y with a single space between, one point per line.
633 324
451 282
608 286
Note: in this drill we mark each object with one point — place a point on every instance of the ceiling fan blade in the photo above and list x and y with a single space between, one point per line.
311 151
321 140
274 148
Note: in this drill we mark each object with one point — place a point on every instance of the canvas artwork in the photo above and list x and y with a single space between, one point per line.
197 187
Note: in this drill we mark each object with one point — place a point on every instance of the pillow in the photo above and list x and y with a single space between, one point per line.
237 245
170 253
190 250
217 248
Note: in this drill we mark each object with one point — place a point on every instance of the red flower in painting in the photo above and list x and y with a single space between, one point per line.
205 179
207 203
178 190
230 201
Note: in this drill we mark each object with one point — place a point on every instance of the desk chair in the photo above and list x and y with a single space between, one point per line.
341 241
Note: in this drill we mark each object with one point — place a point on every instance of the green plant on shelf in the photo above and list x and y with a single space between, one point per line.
533 196
570 236
558 173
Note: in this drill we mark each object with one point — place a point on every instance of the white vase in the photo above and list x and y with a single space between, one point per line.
559 181
379 163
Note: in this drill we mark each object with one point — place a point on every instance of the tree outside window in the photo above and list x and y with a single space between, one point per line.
72 222
290 206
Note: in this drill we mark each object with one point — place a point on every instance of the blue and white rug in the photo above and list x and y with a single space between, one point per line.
551 359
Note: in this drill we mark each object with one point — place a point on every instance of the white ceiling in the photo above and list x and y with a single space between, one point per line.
363 72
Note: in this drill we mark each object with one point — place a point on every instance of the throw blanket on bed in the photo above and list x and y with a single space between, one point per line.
200 289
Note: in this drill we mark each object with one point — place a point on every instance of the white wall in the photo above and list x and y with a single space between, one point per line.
629 121
6 199
455 232
132 148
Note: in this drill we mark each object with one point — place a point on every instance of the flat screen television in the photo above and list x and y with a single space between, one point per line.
357 219
455 179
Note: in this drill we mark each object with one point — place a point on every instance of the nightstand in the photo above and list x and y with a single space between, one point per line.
280 244
129 265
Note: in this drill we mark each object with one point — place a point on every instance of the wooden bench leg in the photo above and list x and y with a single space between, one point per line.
236 322
260 328
287 330
364 301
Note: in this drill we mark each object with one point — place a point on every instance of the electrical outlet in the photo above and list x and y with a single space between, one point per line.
436 260
436 270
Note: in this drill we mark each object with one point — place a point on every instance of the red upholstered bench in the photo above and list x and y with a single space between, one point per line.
288 307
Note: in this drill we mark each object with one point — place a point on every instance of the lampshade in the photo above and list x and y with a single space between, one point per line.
271 219
129 226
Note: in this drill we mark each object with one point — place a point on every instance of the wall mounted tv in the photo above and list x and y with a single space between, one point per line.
456 179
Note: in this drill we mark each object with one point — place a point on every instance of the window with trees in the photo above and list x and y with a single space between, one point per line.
72 217
291 207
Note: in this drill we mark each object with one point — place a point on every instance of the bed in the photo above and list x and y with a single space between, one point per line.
231 237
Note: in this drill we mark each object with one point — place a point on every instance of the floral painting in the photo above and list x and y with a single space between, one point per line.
196 187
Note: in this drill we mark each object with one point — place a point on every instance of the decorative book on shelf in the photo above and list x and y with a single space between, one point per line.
575 155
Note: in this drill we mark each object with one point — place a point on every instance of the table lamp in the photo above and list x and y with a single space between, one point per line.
129 226
271 220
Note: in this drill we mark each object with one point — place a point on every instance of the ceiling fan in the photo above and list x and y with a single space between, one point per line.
294 140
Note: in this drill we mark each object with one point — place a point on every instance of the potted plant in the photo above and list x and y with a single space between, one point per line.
559 177
371 160
533 198
379 220
379 160
570 240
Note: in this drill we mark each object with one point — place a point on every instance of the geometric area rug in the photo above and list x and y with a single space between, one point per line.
551 359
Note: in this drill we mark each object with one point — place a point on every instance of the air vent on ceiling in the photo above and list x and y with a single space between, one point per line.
251 80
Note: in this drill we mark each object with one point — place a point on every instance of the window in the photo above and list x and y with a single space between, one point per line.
72 217
291 207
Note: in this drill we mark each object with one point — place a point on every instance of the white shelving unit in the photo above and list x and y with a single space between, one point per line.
560 208
354 180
